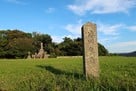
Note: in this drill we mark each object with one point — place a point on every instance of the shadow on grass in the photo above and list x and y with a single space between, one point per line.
60 72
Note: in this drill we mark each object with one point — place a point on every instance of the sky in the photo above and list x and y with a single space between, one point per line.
115 19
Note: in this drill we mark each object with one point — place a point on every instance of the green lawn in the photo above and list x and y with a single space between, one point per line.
65 74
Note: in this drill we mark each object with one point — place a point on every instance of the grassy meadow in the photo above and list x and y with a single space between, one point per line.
66 74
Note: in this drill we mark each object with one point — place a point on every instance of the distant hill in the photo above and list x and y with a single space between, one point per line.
131 54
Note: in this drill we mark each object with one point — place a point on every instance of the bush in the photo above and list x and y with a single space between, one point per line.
53 55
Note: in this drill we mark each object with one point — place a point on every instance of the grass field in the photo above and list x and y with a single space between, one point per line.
65 74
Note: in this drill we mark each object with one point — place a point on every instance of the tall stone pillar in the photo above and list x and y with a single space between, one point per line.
41 52
41 45
90 47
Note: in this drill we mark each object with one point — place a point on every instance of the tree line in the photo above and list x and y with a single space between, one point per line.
17 44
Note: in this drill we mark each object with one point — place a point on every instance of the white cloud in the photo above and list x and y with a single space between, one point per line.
101 6
16 2
107 39
75 29
106 29
59 39
50 10
120 47
109 29
131 28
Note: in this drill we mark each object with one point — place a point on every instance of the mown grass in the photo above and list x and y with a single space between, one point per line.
65 74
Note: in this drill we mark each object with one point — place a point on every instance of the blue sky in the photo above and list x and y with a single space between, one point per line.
115 19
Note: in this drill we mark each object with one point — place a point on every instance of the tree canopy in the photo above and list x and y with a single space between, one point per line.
16 44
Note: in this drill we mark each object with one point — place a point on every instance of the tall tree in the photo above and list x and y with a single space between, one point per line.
71 47
102 50
15 44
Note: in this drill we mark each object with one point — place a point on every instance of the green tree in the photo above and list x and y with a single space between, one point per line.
71 47
3 43
74 47
44 38
102 50
64 46
78 42
15 44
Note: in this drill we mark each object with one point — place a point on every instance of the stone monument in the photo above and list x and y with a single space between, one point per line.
90 48
29 56
40 54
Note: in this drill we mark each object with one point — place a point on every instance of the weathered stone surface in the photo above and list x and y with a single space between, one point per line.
29 55
90 57
40 54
